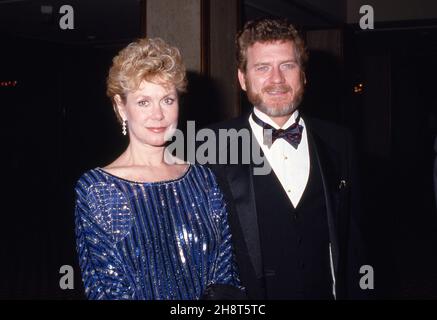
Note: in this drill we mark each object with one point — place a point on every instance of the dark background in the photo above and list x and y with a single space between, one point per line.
57 123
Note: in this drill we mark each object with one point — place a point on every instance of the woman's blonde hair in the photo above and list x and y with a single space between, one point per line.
149 59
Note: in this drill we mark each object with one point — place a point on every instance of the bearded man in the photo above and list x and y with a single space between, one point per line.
296 229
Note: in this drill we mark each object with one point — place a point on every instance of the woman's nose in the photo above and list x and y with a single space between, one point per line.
157 113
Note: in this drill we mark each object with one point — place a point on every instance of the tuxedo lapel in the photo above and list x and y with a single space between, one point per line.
241 185
240 181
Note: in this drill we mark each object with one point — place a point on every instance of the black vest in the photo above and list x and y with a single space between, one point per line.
294 241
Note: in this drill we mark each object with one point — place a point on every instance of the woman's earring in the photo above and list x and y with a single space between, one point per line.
123 128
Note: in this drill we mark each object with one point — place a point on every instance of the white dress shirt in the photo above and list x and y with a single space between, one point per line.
291 166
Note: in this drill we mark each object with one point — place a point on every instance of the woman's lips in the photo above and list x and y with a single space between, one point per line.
157 129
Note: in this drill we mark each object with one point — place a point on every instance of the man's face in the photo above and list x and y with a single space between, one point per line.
273 78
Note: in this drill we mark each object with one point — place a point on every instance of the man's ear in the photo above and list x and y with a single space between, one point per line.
304 78
120 107
242 79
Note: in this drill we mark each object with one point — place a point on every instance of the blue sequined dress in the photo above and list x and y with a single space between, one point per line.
157 240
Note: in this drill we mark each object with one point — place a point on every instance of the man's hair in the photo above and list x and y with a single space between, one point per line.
265 31
149 59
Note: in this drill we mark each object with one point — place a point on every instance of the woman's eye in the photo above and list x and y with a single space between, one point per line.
169 101
143 103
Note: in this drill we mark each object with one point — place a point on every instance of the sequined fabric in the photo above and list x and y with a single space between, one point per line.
159 240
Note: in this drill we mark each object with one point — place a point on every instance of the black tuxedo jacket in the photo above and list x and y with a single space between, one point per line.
334 153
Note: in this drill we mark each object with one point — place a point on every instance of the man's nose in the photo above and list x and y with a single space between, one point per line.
277 75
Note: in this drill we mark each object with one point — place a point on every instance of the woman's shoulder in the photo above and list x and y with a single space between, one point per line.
89 180
99 199
90 177
204 174
208 182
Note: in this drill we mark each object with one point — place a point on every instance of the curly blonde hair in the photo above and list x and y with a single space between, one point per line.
149 59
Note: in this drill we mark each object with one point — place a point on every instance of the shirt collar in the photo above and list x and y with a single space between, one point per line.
269 120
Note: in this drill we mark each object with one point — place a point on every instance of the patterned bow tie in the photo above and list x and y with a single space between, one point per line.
293 134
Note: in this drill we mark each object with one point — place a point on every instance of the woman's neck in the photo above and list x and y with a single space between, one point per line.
144 155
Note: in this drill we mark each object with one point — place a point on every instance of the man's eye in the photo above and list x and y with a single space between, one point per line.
262 68
288 66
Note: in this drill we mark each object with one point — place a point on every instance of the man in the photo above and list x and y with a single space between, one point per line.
294 229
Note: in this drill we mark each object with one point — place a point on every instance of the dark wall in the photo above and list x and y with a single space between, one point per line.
397 109
57 124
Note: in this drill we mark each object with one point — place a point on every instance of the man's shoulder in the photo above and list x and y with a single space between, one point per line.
324 126
337 138
327 130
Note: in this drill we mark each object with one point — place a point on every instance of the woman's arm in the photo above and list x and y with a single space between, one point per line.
103 272
224 283
226 271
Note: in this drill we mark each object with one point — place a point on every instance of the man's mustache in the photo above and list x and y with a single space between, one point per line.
284 88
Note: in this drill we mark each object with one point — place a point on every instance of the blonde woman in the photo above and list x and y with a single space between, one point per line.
148 229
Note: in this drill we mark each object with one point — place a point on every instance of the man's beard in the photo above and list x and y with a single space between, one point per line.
275 109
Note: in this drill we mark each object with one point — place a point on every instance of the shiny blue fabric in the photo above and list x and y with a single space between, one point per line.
159 240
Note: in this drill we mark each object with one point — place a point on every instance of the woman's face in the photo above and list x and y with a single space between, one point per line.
151 113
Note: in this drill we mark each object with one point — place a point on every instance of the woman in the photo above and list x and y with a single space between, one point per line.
147 228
